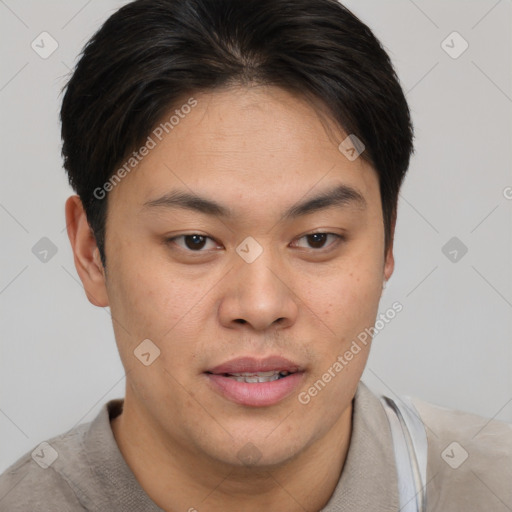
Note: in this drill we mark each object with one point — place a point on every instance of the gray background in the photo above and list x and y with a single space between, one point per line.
451 343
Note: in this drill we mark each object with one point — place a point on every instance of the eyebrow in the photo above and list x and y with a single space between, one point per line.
339 196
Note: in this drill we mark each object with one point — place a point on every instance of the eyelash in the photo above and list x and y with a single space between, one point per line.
340 239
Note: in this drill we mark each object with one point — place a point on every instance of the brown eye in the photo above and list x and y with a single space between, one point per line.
318 240
193 242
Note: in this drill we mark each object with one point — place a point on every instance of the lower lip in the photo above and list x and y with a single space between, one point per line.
255 394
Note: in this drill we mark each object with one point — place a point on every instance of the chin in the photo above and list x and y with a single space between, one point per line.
257 450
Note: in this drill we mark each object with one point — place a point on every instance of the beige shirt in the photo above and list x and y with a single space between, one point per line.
469 461
89 472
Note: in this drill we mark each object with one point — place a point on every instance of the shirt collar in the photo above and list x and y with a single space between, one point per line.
368 479
116 477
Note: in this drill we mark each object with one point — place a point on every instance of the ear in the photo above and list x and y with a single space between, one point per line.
86 253
389 261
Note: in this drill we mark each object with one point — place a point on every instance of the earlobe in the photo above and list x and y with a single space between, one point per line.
85 252
389 263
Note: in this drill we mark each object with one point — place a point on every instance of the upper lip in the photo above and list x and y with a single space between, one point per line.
254 365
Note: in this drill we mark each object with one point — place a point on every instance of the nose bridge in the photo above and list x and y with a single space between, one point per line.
259 276
261 295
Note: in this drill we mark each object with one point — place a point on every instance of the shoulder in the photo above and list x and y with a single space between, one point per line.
37 481
484 437
469 460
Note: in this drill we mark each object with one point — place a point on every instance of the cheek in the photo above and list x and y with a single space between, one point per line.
157 303
143 297
346 297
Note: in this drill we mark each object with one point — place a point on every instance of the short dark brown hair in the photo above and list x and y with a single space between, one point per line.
151 54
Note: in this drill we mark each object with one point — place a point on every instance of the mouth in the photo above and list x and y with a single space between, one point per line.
255 382
252 378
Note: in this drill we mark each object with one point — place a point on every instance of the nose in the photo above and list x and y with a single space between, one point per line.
259 294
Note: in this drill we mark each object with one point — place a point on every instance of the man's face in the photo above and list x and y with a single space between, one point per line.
253 291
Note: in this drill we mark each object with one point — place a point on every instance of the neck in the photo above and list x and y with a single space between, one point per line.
176 478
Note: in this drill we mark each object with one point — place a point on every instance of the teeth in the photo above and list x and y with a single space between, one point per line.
258 376
255 378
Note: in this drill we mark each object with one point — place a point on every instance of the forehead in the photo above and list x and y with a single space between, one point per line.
243 144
